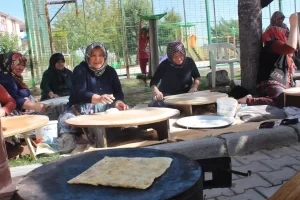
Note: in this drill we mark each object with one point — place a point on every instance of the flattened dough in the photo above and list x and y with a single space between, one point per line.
124 172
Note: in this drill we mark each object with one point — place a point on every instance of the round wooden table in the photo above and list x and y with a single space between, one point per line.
156 118
22 125
188 100
292 97
181 181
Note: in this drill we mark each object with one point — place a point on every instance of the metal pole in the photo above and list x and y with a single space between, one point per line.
28 32
215 19
125 47
295 2
153 45
208 26
185 27
280 5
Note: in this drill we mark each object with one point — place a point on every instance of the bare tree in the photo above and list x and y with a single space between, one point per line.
250 23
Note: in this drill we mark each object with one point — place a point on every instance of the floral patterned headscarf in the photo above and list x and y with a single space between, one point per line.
9 60
89 49
173 48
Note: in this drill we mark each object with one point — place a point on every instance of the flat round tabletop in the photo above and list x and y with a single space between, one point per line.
56 101
48 182
195 98
292 91
22 124
124 118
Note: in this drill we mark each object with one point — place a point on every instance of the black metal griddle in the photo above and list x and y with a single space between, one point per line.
183 180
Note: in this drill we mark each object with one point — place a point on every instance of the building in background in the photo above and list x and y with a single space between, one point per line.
11 25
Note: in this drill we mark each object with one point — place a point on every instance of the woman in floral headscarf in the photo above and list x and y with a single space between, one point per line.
95 87
12 65
177 74
277 21
276 65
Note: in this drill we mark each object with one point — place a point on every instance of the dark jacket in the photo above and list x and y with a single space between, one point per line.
52 82
85 84
13 88
175 80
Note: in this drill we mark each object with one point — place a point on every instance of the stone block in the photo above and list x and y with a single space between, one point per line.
196 149
252 141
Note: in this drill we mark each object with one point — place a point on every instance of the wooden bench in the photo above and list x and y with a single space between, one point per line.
290 190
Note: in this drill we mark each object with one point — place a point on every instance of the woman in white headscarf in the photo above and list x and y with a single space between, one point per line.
95 87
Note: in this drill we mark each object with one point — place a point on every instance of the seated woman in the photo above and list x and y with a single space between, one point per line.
56 81
177 74
8 104
95 87
276 66
12 65
277 20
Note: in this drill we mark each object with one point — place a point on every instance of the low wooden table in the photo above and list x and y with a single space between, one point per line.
188 100
156 118
292 97
290 190
22 125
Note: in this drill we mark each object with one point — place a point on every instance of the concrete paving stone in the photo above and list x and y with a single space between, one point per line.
279 152
240 185
213 193
279 163
296 167
296 127
253 167
247 159
296 147
234 177
267 192
252 141
235 163
196 149
296 156
248 195
277 177
23 170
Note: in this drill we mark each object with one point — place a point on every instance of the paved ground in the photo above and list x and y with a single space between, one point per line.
270 169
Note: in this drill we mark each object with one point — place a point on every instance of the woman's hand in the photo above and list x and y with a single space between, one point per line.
120 105
39 107
106 99
52 95
193 89
157 94
294 19
2 112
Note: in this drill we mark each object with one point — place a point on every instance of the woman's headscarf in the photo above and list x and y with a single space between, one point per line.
89 49
10 59
274 33
273 22
61 75
173 48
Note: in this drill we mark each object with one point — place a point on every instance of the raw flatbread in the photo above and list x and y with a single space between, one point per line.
124 172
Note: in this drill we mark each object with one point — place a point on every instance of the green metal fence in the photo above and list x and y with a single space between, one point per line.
115 23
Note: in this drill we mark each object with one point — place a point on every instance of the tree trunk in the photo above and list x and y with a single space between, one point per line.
250 27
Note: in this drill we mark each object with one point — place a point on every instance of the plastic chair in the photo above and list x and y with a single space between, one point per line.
220 55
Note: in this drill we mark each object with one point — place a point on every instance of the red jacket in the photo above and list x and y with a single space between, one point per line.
7 102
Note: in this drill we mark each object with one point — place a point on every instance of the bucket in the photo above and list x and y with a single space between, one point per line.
226 106
46 133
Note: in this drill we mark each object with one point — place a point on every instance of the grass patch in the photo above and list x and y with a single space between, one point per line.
25 160
130 83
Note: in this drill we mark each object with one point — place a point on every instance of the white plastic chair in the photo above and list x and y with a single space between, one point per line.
220 55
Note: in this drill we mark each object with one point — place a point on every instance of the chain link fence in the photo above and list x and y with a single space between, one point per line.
70 25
